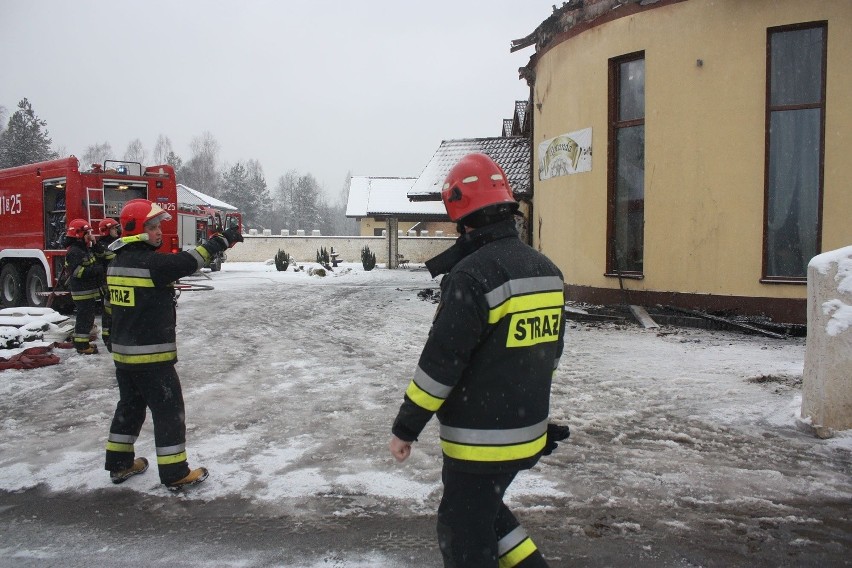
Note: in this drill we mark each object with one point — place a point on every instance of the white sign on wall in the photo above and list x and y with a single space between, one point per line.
566 154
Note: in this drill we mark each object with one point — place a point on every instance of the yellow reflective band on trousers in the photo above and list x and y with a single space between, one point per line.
422 398
119 447
525 304
90 294
493 453
144 358
517 554
173 458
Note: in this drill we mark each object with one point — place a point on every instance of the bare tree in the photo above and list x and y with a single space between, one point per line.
97 154
201 171
282 208
345 225
135 152
162 149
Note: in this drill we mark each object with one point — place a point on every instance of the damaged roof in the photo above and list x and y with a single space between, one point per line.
512 153
573 17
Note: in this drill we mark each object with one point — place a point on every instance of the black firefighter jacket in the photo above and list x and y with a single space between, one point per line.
85 271
142 294
487 366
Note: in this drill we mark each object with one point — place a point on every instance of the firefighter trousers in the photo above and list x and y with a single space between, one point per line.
85 320
157 388
476 529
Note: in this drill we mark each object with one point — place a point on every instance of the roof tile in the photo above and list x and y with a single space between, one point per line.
511 152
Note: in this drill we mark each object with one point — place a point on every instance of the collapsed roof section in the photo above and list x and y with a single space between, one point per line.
574 17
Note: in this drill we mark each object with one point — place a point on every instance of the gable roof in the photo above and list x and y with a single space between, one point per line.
512 153
388 197
188 196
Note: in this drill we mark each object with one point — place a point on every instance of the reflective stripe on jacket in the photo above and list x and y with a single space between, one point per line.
487 365
86 273
142 297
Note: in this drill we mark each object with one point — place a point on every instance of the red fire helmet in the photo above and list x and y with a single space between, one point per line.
136 213
106 225
474 183
78 228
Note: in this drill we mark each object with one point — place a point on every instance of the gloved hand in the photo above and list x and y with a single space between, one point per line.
216 244
233 235
555 433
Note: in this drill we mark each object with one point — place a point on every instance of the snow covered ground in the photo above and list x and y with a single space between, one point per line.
680 437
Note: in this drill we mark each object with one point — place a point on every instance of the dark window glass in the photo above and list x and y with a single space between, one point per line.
630 199
796 111
626 176
793 197
796 67
631 98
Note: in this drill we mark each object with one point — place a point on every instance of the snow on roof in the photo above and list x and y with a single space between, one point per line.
511 152
189 196
359 192
386 196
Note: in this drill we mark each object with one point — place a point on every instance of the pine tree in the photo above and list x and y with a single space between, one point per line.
25 139
174 161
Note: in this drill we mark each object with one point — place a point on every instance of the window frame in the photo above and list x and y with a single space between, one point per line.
614 124
770 108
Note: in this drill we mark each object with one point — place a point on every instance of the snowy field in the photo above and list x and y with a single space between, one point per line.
291 382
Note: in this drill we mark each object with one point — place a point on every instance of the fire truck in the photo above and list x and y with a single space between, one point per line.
198 223
37 201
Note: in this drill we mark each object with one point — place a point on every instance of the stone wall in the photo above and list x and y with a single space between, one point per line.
259 248
827 381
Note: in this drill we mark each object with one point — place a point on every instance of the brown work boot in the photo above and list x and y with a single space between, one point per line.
90 350
139 466
195 477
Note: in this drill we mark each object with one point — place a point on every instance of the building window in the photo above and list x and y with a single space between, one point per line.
795 133
626 166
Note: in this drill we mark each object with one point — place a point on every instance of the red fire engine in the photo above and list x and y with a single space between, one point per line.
198 223
38 200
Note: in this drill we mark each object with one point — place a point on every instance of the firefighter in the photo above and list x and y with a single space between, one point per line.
486 369
142 294
108 231
85 276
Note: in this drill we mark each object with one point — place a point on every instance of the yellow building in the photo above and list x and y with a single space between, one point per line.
695 152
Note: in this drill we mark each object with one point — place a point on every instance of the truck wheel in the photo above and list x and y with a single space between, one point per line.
36 282
11 287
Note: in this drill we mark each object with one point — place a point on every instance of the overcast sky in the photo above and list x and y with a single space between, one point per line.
326 88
